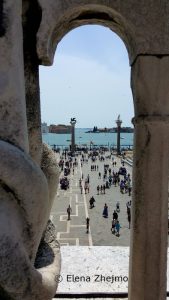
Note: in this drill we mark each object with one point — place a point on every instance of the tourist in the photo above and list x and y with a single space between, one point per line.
129 218
69 210
117 228
87 224
91 201
113 226
104 188
117 207
115 216
122 186
115 179
88 178
128 205
98 189
128 208
101 189
99 175
105 211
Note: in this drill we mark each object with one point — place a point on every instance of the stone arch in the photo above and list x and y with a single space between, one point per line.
54 27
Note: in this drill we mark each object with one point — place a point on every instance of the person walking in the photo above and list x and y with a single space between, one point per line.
91 201
129 189
88 178
113 226
129 219
105 211
117 228
117 207
69 210
87 224
129 215
115 216
98 189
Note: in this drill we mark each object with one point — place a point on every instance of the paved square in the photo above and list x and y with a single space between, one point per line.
73 232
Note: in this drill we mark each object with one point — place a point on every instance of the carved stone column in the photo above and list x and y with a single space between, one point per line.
148 258
13 125
31 20
26 193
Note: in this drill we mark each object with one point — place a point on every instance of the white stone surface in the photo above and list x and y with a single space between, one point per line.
90 261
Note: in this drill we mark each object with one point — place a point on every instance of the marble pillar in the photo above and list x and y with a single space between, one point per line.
148 257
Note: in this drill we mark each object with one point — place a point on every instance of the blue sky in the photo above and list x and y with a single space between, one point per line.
89 80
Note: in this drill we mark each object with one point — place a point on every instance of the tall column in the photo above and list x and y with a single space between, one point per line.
118 122
31 20
73 123
148 257
13 124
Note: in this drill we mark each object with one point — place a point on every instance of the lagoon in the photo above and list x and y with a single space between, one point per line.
82 138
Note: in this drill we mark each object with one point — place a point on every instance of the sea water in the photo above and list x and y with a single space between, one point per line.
82 138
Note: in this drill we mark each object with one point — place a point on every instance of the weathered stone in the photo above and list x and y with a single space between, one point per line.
142 25
31 21
13 126
48 256
149 238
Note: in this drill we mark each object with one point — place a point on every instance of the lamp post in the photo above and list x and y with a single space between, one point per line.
118 122
73 123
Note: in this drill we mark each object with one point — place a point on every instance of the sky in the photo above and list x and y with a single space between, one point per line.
89 80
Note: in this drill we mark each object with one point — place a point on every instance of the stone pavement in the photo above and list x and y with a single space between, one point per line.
73 232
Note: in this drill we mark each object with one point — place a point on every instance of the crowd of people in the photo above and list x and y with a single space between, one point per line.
110 177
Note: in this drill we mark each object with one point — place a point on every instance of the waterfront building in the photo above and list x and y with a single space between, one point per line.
60 129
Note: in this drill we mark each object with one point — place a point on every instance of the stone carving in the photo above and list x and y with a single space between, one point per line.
26 192
131 20
24 212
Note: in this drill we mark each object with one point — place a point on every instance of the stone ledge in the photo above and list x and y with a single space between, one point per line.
94 269
84 261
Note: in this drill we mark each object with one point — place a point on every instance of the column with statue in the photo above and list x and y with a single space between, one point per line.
73 145
118 122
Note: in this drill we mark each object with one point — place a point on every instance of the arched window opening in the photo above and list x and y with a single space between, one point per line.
90 81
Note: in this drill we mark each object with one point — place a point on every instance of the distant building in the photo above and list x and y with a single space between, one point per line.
44 127
125 129
60 129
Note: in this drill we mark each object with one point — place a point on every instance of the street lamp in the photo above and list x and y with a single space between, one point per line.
118 122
